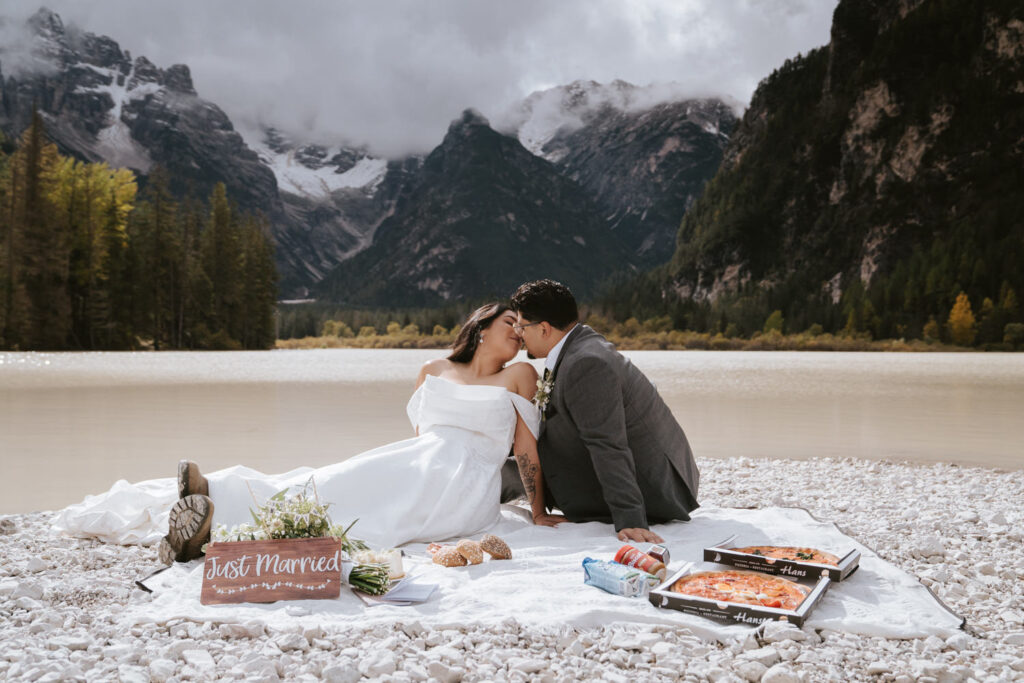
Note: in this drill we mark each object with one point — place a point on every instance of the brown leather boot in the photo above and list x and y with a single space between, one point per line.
190 521
190 482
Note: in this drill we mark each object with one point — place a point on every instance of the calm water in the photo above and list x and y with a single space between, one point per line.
73 423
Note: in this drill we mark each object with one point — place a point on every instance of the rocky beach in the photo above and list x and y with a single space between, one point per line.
958 529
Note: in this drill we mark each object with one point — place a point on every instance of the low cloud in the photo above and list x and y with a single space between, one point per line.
393 75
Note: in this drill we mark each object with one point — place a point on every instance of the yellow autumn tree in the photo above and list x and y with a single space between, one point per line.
961 321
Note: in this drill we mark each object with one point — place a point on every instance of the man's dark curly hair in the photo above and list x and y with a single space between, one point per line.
546 301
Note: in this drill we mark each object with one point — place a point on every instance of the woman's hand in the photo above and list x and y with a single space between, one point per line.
545 519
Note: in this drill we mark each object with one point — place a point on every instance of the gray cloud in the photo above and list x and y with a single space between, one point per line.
393 74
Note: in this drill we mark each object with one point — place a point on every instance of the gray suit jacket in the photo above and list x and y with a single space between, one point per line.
609 447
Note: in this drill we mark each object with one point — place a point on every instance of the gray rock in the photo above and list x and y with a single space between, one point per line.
876 668
780 673
8 526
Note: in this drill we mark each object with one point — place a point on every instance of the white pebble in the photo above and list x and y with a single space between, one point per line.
443 672
876 668
777 631
780 673
751 671
526 665
28 589
766 655
200 659
999 519
35 564
340 673
381 663
161 669
289 642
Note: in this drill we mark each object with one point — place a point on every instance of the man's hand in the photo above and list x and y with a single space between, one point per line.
640 536
548 520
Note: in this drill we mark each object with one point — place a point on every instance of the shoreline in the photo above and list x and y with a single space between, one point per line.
661 341
956 528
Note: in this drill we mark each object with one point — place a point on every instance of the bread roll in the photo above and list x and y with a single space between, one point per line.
449 556
470 550
496 547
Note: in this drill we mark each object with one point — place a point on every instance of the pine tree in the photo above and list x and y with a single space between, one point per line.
43 270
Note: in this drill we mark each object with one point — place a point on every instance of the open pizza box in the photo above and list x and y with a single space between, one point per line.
734 612
724 553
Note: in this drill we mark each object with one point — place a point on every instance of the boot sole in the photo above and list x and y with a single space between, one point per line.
190 521
166 553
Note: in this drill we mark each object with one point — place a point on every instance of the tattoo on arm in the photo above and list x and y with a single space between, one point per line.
528 471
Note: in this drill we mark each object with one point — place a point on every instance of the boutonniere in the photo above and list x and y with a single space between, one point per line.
543 395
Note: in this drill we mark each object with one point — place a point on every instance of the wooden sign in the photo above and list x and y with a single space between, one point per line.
268 571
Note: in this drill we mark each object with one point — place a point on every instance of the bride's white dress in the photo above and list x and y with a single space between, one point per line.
441 484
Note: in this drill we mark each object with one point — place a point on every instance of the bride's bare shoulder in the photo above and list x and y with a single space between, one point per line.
523 379
433 367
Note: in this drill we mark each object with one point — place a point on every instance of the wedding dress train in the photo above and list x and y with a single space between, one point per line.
441 484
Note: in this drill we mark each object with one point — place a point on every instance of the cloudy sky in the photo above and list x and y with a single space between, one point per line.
393 73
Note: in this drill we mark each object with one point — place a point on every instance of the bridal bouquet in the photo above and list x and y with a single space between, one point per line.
304 516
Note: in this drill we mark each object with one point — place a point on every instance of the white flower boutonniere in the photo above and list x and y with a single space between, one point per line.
543 395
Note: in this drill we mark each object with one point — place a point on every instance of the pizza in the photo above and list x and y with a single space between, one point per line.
789 553
748 588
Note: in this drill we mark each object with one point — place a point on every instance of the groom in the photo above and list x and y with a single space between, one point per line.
610 449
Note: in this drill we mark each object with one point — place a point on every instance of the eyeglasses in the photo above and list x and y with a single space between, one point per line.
518 328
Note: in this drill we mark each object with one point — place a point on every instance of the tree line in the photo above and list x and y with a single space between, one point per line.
88 261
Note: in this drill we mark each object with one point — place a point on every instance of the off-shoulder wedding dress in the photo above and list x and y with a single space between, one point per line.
443 483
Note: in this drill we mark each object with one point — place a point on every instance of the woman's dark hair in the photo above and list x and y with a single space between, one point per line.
546 301
479 320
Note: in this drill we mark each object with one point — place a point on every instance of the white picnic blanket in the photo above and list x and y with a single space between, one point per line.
542 586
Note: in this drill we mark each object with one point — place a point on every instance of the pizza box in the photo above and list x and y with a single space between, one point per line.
723 553
733 612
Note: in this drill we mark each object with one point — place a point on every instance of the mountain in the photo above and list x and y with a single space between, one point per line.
99 104
872 180
482 216
643 153
338 194
639 156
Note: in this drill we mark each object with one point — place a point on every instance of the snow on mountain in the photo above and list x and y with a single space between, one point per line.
564 109
115 143
314 171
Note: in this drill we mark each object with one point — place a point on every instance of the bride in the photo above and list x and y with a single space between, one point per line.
468 410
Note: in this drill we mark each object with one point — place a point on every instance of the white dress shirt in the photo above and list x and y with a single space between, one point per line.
552 359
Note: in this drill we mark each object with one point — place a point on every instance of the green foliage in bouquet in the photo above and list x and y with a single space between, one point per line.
303 516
